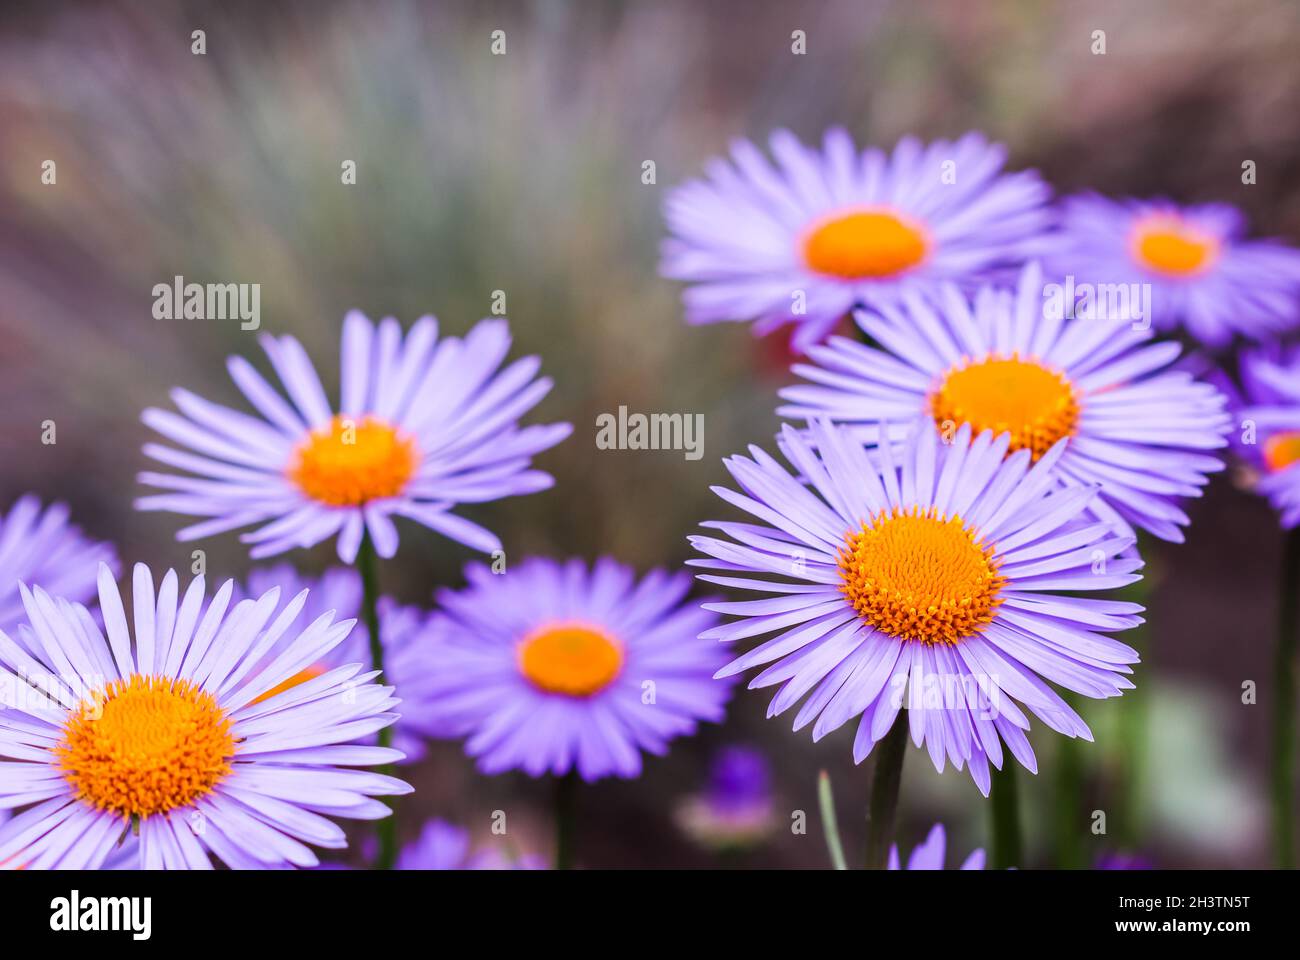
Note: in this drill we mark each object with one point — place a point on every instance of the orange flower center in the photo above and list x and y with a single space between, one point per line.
571 659
864 244
1281 450
1033 403
917 576
1171 246
146 745
352 462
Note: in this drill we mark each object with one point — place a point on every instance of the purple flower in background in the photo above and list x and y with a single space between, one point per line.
1202 273
554 667
410 638
422 425
740 778
1136 426
171 727
1270 418
821 232
39 545
1124 861
736 808
940 586
930 854
442 846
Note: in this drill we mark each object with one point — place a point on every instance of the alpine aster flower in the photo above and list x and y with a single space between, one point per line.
736 809
422 425
441 846
929 855
1004 362
1271 391
822 232
39 545
1203 274
182 735
553 666
410 637
930 586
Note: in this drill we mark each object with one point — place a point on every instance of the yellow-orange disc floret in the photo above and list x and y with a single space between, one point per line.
1281 450
146 745
571 659
864 244
1170 246
353 461
1035 404
918 576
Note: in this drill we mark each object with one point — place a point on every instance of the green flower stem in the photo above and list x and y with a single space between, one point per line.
566 816
367 566
1004 804
1133 708
885 783
1284 714
1069 819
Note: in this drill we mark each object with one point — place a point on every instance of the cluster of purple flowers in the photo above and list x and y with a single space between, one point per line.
957 487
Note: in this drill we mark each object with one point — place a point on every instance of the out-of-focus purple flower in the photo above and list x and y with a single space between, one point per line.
554 667
821 232
736 808
930 854
38 545
422 425
1269 437
1125 861
1204 275
442 846
739 778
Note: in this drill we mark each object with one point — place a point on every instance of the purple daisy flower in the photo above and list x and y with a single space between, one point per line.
1271 394
931 587
822 232
736 809
410 637
442 846
39 545
1135 425
181 735
553 667
930 854
422 425
1202 272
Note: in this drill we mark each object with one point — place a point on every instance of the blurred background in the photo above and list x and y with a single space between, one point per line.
523 173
